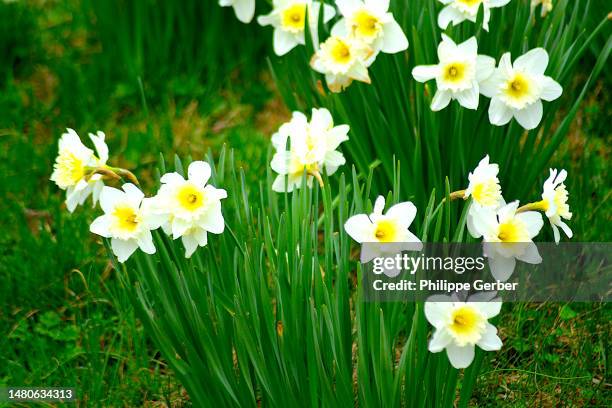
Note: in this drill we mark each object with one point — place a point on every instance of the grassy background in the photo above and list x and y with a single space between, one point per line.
153 81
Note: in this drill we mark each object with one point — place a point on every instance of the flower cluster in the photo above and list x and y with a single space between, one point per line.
304 147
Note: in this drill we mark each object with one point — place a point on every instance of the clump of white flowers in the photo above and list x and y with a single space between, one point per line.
127 221
244 9
75 168
288 18
342 60
457 11
370 21
306 147
458 74
189 207
460 326
517 90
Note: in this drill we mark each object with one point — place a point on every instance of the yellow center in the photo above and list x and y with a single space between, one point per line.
126 218
517 87
293 17
470 3
365 24
340 52
454 72
386 231
70 169
512 231
561 202
190 197
467 325
487 193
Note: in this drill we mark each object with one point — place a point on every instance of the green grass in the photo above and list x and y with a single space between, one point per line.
65 316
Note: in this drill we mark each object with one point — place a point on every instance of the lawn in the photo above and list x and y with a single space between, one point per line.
194 82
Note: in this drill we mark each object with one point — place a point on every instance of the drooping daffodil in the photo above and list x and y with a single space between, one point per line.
371 22
460 326
457 11
517 90
127 221
342 60
484 189
458 74
303 146
75 166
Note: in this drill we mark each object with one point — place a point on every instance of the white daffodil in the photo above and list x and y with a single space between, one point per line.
370 22
74 168
191 207
127 221
458 74
517 90
457 11
547 6
484 189
459 326
312 148
554 203
244 9
289 20
508 236
384 234
342 60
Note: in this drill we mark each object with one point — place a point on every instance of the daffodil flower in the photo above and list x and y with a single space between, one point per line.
342 60
554 203
458 74
384 234
484 189
191 207
244 9
289 20
508 236
460 326
517 90
370 22
127 221
457 11
312 148
74 168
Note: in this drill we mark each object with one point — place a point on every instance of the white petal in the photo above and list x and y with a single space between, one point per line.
268 19
201 236
499 113
379 205
423 73
460 357
551 90
133 193
109 197
198 173
334 159
566 229
440 100
380 6
556 233
244 9
123 249
437 313
469 47
101 147
530 116
346 7
501 267
100 226
488 309
339 29
533 220
394 39
498 3
485 67
328 12
145 242
283 42
190 244
213 221
439 340
469 98
171 178
530 254
489 340
505 64
359 227
403 213
179 227
533 61
449 14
